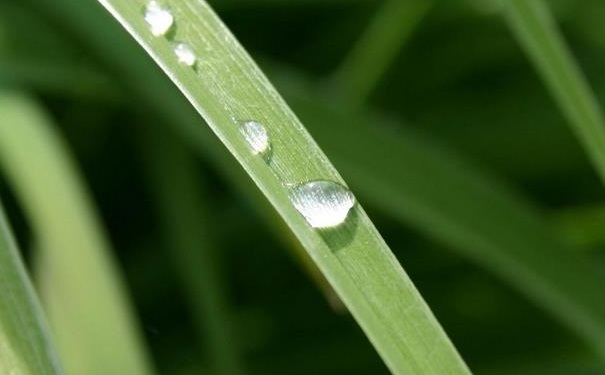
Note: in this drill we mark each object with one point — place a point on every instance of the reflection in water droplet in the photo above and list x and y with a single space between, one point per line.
256 136
185 54
323 203
160 19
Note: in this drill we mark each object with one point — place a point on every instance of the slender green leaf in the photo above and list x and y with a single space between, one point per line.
88 311
25 347
391 27
64 79
227 88
535 29
582 225
183 205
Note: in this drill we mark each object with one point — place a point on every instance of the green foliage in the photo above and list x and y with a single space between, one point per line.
25 347
532 22
438 124
353 257
84 315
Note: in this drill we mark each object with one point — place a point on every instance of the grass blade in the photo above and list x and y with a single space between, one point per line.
25 347
388 31
228 88
183 206
89 314
582 225
535 29
64 79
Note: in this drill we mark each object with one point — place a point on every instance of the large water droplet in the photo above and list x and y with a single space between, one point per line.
160 19
185 54
323 203
256 136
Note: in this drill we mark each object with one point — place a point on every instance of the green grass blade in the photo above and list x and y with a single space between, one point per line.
25 348
389 30
182 204
90 317
448 199
70 80
535 29
228 88
582 225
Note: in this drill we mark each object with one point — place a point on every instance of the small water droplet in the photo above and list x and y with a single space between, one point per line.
185 54
160 19
323 203
256 136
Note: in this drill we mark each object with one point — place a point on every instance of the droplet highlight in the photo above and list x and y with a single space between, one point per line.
185 55
323 203
256 137
159 18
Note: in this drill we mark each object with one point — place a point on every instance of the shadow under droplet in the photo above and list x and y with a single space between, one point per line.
341 236
170 35
267 157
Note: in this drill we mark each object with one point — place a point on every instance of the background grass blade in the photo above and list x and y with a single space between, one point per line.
390 28
25 347
228 88
184 208
582 225
535 29
70 80
90 317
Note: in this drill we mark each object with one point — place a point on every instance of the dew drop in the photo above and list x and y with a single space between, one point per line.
323 203
158 18
185 54
256 136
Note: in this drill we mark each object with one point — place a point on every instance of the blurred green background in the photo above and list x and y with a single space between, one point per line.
460 81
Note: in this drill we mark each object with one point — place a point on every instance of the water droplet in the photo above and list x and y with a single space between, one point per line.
185 54
256 136
160 19
323 203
